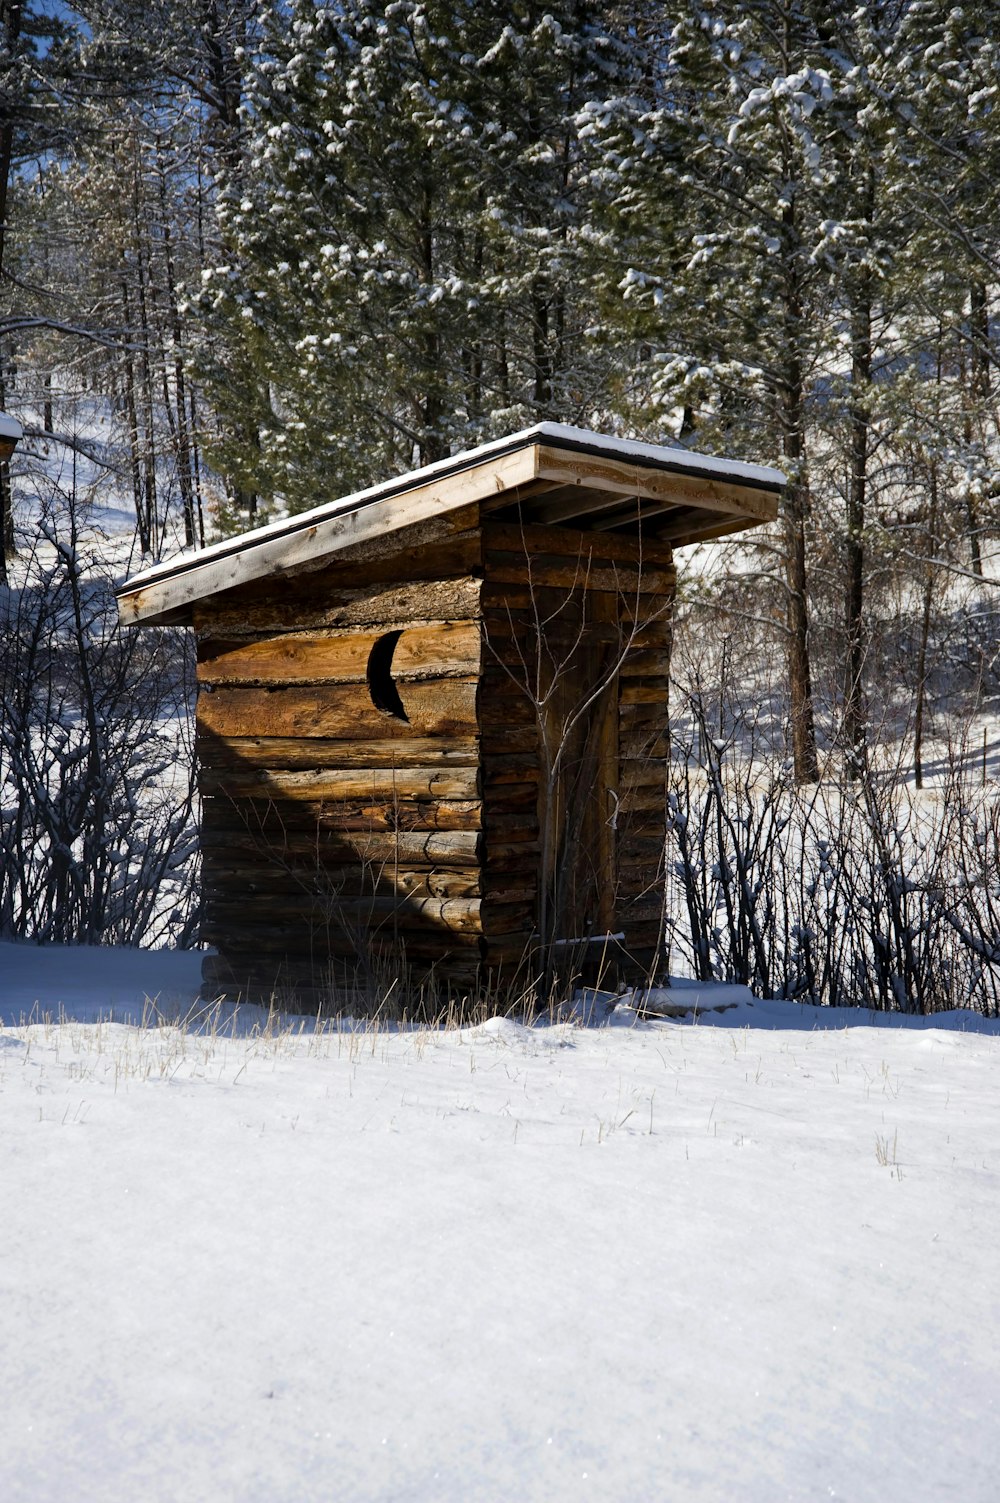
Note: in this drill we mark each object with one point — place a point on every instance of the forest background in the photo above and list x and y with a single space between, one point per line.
252 258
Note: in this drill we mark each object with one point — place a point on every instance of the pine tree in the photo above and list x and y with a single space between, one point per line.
37 52
732 161
408 259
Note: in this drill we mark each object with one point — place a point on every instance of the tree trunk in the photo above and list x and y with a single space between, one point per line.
11 16
979 392
860 421
795 508
925 631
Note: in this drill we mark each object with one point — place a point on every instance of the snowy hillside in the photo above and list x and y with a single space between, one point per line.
749 1259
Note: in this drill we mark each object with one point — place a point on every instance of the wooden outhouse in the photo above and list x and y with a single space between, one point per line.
432 716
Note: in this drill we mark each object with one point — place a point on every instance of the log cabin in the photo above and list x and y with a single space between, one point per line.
432 717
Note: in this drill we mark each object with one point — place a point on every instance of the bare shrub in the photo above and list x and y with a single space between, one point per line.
97 835
858 891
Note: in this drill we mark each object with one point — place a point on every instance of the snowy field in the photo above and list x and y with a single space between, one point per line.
752 1258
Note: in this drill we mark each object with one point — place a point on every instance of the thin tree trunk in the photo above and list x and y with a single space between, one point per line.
541 356
979 392
860 420
925 630
196 468
431 408
794 511
142 520
796 498
180 424
145 365
11 17
8 540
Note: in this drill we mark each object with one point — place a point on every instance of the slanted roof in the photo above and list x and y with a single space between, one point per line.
555 475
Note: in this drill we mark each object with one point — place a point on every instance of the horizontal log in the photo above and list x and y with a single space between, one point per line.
225 875
513 833
638 873
645 910
444 707
633 885
352 785
408 848
401 909
512 956
506 631
646 663
643 800
643 949
530 540
506 740
641 692
282 752
508 872
641 746
644 716
435 549
643 772
325 600
645 825
510 768
361 816
510 799
506 857
570 574
512 888
309 945
505 708
512 601
444 649
506 918
640 850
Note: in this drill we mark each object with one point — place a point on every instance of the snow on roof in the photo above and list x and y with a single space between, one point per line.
663 456
308 530
10 428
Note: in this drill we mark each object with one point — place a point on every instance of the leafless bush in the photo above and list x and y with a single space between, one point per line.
860 892
97 838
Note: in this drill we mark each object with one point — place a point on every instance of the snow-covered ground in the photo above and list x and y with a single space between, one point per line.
748 1259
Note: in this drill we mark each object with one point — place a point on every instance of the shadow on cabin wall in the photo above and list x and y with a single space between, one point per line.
329 889
468 862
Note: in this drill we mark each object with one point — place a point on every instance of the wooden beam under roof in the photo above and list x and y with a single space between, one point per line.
674 489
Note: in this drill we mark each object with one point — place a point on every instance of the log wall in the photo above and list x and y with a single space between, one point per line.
339 833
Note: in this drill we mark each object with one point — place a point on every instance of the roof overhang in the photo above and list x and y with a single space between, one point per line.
558 476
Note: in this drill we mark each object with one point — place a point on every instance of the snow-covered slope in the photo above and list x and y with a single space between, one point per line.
656 1261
